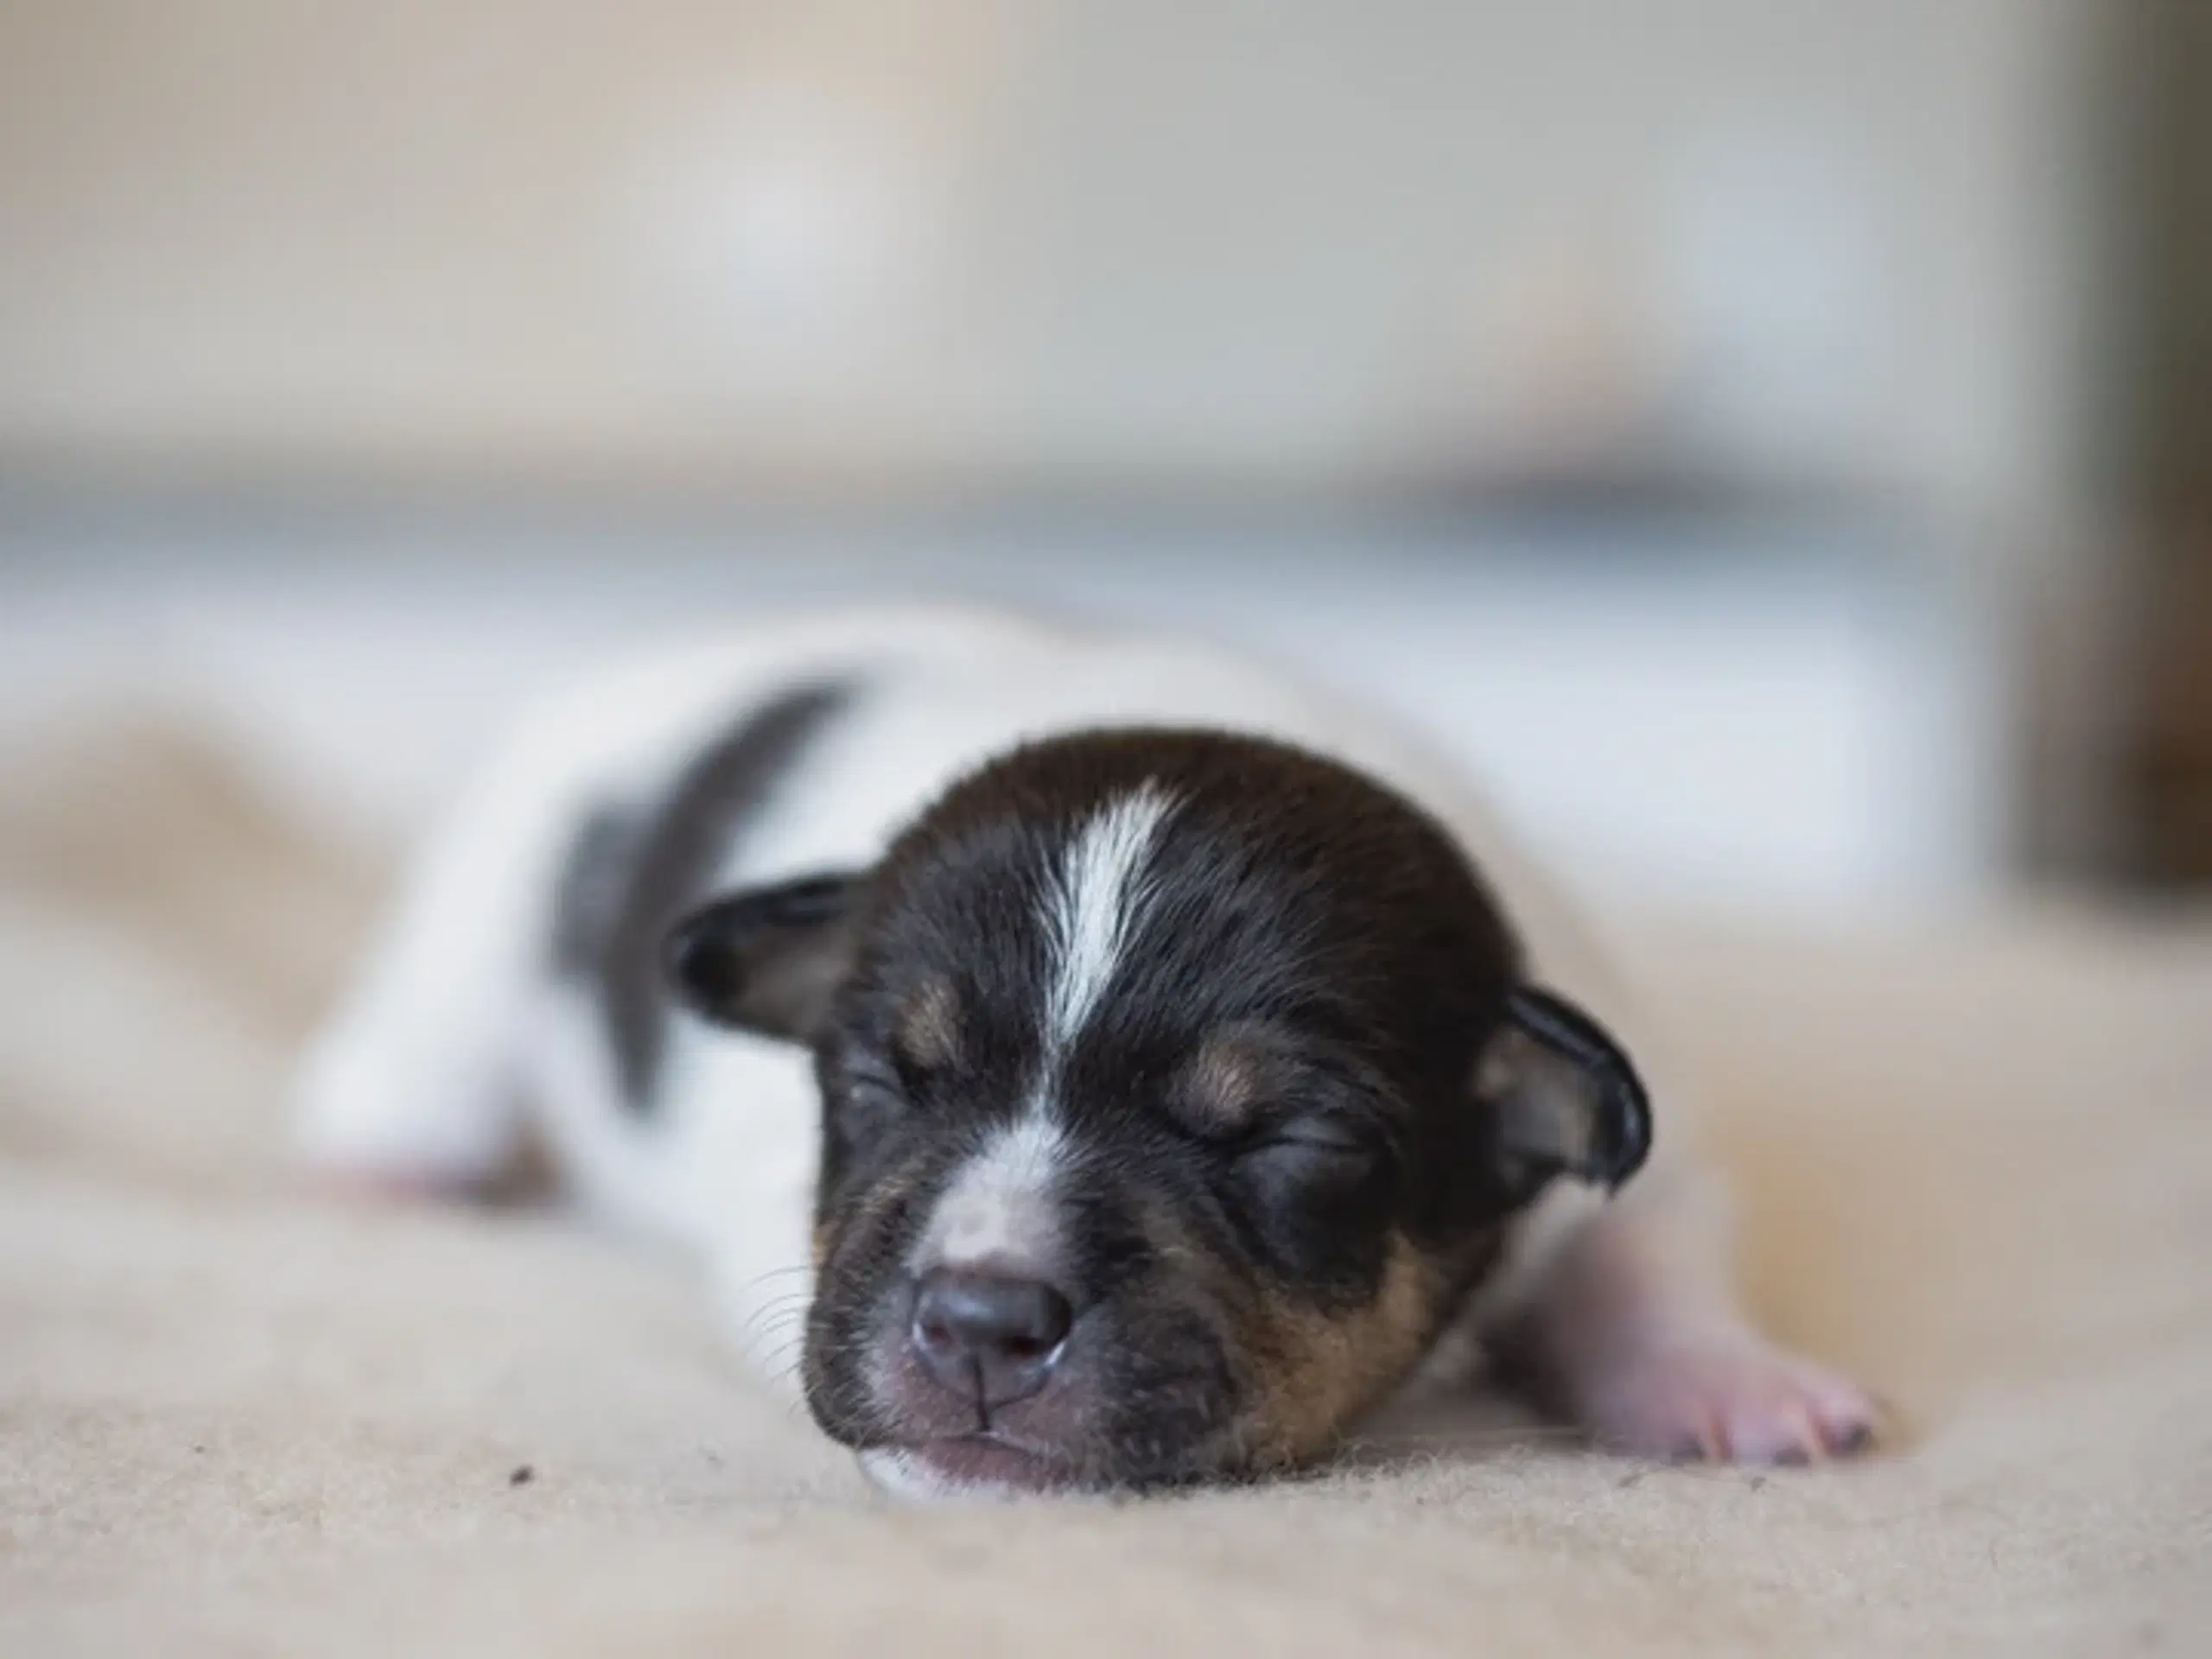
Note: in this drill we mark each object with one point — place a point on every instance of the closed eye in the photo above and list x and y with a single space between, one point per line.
872 1099
1321 1142
908 1077
1312 1188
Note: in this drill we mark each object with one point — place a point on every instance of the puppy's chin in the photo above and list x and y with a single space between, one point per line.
965 1469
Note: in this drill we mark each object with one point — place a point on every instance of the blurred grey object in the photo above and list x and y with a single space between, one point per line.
1808 713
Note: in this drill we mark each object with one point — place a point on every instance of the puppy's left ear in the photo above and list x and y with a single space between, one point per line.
768 960
1564 1099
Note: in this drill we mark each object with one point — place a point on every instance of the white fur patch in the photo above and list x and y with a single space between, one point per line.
1102 889
1003 1205
903 1476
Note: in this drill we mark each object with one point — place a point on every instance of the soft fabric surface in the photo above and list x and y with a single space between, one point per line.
1977 1170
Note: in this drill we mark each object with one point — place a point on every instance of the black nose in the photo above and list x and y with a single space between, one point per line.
992 1338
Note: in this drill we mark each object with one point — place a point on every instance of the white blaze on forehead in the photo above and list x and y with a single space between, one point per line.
1102 886
1002 1204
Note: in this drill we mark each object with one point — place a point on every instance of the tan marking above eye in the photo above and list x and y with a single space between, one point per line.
1228 1080
928 1032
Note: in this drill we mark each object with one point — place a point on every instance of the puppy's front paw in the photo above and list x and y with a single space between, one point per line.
1730 1398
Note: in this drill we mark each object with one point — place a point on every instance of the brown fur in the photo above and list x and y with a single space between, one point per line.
1225 1082
1317 1371
928 1033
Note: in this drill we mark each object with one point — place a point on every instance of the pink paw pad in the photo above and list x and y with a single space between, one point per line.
1731 1400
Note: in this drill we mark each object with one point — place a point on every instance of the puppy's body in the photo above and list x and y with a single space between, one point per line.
518 990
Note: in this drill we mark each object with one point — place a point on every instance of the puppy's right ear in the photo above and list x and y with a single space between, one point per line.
768 960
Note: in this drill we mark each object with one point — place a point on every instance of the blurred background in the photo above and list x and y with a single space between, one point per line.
1769 437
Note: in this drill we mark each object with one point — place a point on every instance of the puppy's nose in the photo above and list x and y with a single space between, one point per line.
984 1335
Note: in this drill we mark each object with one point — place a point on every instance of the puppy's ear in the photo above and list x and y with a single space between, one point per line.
1563 1098
768 960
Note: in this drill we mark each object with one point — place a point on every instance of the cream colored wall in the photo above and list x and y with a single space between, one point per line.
1123 238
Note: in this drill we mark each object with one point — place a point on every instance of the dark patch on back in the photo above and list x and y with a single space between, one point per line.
632 875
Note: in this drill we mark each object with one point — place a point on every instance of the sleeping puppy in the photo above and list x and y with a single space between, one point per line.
1081 1061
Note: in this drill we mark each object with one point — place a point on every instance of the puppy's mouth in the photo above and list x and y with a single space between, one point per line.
979 1465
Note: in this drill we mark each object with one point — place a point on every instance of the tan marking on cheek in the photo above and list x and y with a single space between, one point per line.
1313 1373
929 1026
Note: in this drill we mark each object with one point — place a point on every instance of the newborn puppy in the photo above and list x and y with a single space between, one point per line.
1081 1061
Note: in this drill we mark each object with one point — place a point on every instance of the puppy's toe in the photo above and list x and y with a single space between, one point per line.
1728 1399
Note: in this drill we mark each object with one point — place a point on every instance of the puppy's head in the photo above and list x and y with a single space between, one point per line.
1176 1088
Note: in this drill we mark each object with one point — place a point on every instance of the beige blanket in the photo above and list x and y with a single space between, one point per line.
1977 1170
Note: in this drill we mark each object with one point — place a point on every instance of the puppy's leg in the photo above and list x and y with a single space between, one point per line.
1637 1331
413 1088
